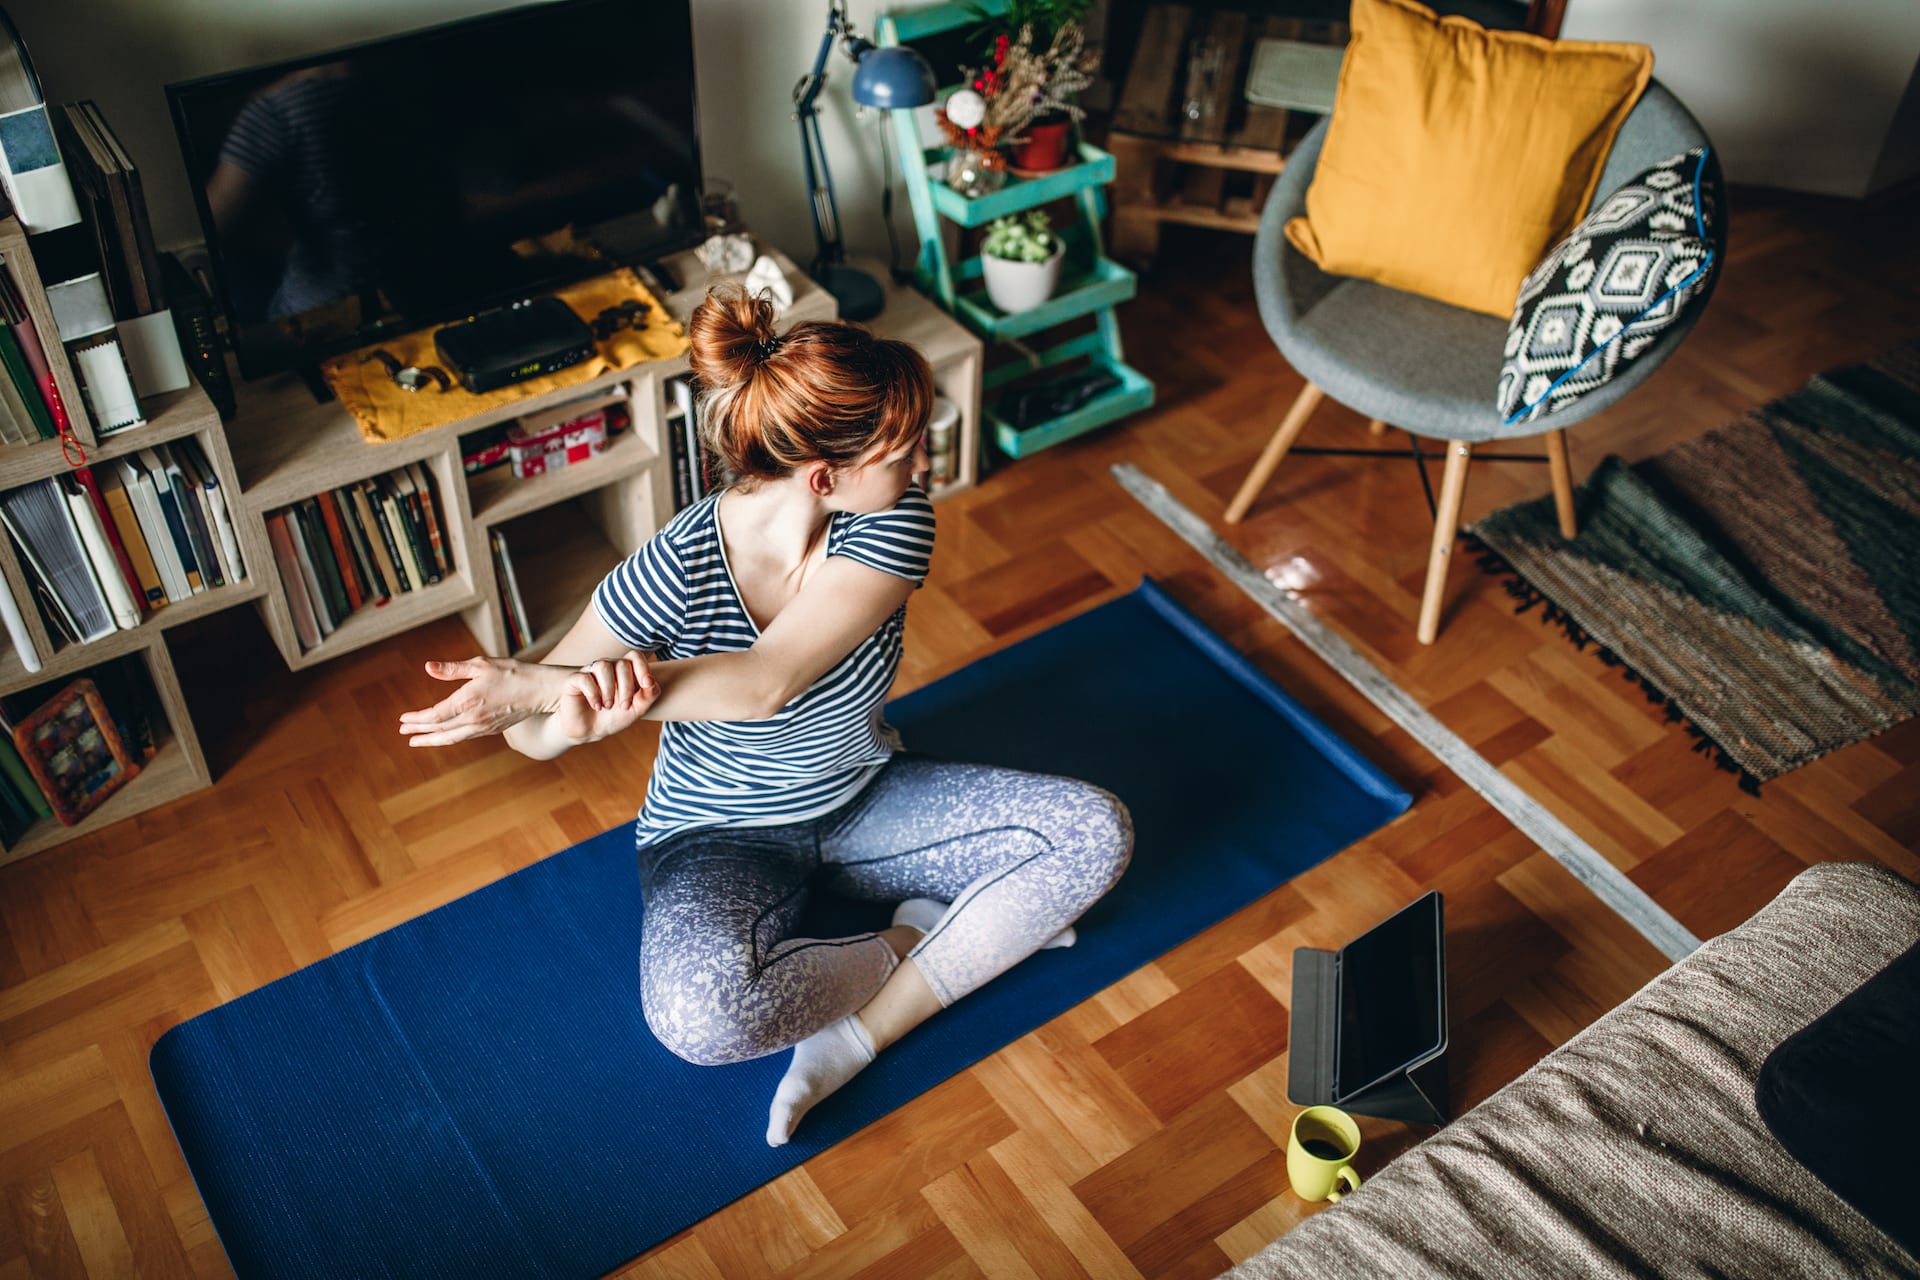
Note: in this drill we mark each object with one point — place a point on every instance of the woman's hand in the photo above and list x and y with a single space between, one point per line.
498 694
605 698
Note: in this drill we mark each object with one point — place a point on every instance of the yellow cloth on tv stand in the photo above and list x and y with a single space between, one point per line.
387 412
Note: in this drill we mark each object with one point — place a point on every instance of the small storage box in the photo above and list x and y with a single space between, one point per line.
537 449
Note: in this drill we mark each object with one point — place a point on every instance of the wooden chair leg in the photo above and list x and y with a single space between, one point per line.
1562 469
1283 437
1376 428
1446 528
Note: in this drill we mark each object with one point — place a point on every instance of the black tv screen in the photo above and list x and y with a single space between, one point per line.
398 184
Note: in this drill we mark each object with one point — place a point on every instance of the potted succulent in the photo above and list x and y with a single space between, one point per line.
1020 259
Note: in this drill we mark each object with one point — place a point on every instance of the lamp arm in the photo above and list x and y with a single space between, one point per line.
807 92
813 151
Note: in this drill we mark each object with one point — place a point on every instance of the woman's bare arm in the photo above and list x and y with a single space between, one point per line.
844 604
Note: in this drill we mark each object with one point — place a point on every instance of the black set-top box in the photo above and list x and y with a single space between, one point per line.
526 340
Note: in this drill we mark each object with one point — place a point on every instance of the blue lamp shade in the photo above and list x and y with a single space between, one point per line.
892 78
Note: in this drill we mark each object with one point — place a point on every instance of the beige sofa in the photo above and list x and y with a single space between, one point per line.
1635 1148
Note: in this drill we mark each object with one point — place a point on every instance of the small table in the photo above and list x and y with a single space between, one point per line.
1178 160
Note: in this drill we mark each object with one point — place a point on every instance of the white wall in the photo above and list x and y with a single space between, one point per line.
1794 94
121 53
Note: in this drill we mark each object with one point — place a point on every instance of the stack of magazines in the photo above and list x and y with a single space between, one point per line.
360 545
106 545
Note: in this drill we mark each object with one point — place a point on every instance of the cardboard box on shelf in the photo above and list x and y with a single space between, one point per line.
536 451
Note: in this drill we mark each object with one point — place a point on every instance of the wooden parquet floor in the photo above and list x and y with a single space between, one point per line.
1142 1133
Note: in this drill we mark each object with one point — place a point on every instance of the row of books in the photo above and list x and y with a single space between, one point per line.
79 196
697 470
360 545
36 148
116 320
512 606
30 406
113 206
64 752
104 546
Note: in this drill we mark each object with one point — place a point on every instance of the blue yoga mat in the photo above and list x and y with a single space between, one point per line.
475 1093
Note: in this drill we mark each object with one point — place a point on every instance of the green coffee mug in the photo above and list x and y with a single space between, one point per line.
1320 1152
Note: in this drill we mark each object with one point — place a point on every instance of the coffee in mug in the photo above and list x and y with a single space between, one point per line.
1320 1151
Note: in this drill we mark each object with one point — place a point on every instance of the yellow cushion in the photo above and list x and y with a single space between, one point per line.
1456 156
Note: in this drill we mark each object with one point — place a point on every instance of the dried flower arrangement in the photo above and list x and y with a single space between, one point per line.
1022 85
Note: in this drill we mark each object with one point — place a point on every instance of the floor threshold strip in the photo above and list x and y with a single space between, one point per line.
1607 881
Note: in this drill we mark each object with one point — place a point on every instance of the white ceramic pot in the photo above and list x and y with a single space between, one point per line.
1022 286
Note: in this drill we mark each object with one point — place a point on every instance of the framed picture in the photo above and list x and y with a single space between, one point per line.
73 751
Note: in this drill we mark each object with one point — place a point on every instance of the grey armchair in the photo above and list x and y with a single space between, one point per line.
1425 366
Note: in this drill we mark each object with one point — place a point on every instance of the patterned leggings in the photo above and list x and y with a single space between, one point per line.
1019 855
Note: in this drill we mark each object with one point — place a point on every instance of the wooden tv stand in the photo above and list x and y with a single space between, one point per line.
565 529
573 525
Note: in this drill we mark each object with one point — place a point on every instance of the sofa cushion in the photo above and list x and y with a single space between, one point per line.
1456 155
1603 296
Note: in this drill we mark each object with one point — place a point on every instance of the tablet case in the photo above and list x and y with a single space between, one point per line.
1416 1092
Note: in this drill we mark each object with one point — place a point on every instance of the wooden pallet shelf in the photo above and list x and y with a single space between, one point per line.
1177 166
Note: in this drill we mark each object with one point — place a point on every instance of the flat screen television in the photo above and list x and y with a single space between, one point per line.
397 184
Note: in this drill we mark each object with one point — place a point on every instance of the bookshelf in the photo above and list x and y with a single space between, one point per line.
564 529
178 766
498 495
560 554
456 591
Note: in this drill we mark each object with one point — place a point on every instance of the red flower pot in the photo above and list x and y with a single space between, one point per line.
1046 146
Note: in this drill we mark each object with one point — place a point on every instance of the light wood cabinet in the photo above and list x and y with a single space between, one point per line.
564 530
179 766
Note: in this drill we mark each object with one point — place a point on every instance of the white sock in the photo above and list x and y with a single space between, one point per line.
924 913
821 1063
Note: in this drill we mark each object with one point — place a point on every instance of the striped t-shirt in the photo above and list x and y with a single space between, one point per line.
676 598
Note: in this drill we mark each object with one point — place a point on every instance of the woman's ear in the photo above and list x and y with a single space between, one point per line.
820 478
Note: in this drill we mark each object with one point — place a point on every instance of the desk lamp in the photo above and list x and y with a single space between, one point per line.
889 79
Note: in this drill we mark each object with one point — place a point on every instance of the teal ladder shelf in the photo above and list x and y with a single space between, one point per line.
1091 284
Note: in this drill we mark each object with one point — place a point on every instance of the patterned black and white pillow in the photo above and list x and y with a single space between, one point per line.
1603 295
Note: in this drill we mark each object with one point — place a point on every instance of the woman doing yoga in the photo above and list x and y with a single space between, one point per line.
763 626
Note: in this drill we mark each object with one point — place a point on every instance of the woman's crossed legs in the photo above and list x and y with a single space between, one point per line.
1018 855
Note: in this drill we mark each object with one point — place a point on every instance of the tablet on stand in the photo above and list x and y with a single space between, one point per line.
1369 1021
